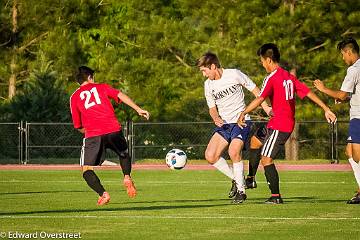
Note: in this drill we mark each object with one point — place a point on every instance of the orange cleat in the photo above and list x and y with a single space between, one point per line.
104 199
130 187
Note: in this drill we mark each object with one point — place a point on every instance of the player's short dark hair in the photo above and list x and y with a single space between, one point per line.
269 50
83 74
349 43
207 59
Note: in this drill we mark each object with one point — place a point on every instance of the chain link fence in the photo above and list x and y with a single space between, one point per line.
10 143
60 143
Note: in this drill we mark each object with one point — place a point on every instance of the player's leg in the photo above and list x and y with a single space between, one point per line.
354 160
235 149
254 160
353 153
239 136
116 142
256 142
213 152
273 142
90 156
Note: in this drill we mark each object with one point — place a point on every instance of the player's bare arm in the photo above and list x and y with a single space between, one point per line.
127 100
264 104
82 130
337 94
251 107
214 114
329 115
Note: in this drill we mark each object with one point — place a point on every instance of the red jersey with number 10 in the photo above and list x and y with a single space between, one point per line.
280 87
92 110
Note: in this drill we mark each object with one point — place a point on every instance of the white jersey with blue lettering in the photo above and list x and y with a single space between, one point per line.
227 94
351 84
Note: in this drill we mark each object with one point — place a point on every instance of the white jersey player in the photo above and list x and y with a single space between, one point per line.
350 89
225 98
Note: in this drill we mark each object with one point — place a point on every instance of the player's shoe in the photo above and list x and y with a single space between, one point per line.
240 197
274 200
233 189
130 187
104 199
250 183
355 199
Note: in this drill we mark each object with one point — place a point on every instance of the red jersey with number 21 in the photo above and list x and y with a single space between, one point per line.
280 87
91 109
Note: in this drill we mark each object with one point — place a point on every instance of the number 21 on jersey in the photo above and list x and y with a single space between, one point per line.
87 96
289 89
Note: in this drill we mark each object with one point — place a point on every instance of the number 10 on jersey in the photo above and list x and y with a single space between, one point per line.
289 89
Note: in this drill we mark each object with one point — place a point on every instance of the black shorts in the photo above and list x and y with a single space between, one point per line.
273 142
261 132
93 149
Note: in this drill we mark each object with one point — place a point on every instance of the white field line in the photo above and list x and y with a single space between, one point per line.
177 217
158 182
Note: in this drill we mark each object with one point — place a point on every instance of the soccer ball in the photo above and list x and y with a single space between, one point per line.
176 159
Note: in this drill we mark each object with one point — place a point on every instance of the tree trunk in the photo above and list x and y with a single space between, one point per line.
292 145
13 65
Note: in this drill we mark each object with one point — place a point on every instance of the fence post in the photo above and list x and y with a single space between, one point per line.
26 143
333 142
21 146
130 139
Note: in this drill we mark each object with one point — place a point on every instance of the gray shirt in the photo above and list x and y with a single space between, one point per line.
351 84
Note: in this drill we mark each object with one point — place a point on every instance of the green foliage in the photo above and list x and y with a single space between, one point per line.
43 99
148 48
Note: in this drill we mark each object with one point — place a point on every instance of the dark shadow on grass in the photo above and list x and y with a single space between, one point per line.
111 209
299 199
176 201
39 192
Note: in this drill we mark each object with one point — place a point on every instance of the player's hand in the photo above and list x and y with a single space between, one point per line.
218 122
319 85
330 116
269 112
241 121
144 113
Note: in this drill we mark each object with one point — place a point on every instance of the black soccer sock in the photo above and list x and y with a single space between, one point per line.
254 160
125 162
93 181
272 178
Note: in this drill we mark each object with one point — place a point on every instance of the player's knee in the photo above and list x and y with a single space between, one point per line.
86 168
233 154
210 157
265 161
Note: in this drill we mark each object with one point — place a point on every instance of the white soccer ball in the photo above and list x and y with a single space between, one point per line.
176 159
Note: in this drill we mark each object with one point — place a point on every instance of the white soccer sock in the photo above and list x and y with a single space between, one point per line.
239 175
356 168
224 167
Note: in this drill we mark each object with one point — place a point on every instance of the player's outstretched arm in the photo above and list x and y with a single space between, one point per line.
264 104
337 94
253 105
329 115
127 100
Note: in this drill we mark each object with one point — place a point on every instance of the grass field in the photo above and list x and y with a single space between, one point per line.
178 205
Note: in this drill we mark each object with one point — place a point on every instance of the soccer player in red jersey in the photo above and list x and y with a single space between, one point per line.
280 87
93 114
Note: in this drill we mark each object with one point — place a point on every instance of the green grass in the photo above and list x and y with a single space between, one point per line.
178 205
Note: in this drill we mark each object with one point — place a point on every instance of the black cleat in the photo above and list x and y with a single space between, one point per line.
240 197
233 189
250 183
355 199
274 200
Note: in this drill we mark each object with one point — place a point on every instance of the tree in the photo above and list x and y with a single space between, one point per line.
43 99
